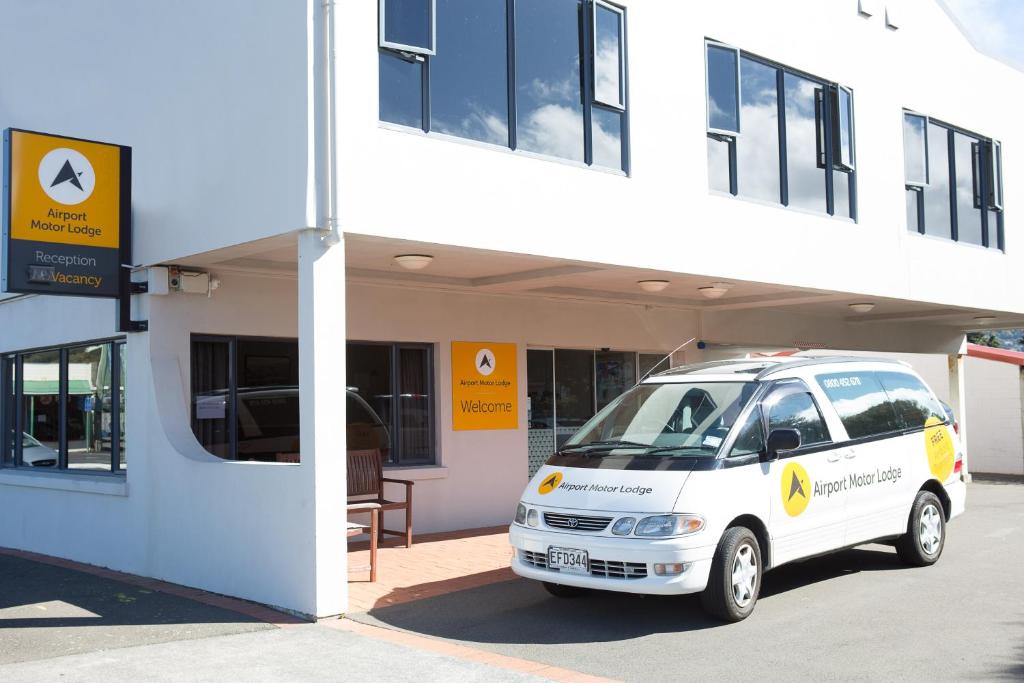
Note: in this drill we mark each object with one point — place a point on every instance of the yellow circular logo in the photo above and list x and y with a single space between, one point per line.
796 489
940 449
549 483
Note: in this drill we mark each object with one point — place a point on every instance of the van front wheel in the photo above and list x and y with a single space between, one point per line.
735 579
926 532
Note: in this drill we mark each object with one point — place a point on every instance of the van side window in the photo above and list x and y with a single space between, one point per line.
914 403
750 439
863 406
798 411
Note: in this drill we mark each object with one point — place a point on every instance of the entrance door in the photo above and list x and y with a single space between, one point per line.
540 407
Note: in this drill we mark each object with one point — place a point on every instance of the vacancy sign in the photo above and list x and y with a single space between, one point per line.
66 214
484 394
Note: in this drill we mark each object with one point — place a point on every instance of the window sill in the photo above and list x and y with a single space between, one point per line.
946 240
104 484
416 473
782 207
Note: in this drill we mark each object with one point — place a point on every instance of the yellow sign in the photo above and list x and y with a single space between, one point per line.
796 489
484 393
550 483
940 449
65 191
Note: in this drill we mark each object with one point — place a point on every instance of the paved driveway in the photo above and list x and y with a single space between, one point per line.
858 614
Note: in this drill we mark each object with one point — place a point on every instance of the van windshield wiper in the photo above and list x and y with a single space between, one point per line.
603 445
664 450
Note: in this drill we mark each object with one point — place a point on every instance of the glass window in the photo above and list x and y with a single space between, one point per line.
718 164
615 373
862 404
653 363
549 98
90 426
797 411
806 175
8 380
401 90
995 175
607 130
608 54
123 403
937 217
844 134
407 25
968 191
915 149
469 76
914 404
267 400
757 150
913 214
415 419
210 393
40 408
574 391
750 439
723 89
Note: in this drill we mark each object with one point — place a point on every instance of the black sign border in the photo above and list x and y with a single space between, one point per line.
124 219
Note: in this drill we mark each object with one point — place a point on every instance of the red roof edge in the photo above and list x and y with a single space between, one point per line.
990 353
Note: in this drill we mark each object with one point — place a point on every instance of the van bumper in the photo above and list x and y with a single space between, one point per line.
957 492
531 543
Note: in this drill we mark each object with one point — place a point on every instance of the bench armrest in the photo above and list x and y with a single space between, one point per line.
398 481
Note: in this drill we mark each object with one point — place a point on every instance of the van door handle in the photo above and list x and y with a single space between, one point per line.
834 457
850 454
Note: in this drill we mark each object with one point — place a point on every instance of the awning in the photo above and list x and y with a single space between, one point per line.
991 353
45 387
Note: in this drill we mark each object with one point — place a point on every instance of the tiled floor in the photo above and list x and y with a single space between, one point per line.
435 564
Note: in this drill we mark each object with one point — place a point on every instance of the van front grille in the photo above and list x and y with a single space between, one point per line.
576 522
601 569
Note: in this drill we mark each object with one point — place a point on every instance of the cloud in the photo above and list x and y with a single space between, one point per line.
994 25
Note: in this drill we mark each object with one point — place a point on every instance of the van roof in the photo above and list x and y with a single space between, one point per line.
756 369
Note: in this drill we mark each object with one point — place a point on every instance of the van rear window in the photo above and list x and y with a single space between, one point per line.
862 404
913 402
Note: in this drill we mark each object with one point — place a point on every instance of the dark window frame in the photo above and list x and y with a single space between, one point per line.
987 164
827 120
587 28
13 415
399 47
783 389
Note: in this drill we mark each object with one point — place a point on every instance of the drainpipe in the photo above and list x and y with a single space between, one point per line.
329 230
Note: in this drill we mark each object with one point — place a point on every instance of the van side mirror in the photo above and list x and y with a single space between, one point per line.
781 440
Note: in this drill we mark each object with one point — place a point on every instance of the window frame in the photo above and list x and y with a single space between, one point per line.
383 43
826 133
838 163
994 168
14 460
783 389
914 184
621 13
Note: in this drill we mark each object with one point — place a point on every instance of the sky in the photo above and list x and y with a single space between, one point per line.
996 25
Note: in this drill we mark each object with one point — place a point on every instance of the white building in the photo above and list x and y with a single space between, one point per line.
279 148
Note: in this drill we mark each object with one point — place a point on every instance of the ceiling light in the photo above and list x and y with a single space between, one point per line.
865 307
984 318
715 290
414 261
652 285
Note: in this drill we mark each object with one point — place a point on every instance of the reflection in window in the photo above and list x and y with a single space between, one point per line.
401 89
210 394
608 53
718 164
615 372
750 439
40 417
550 110
607 138
862 404
123 395
90 420
937 218
913 403
469 76
806 177
915 153
798 411
844 137
407 24
968 198
757 149
574 391
723 89
8 381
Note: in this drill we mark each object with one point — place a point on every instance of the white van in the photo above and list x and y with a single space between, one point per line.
702 478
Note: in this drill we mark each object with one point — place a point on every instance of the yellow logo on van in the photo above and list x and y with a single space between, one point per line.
940 448
550 483
796 489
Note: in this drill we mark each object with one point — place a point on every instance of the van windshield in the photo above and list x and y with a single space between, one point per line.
674 419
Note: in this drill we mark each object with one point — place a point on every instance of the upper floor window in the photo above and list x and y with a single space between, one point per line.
544 76
954 183
778 135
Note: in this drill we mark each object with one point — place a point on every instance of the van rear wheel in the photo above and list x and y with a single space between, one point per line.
560 591
735 579
926 532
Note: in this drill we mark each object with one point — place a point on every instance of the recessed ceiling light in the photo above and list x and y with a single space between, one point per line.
863 307
652 285
715 290
984 318
414 261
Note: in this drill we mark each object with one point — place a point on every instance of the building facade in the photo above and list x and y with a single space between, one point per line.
597 186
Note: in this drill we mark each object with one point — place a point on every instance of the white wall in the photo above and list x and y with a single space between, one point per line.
663 217
995 414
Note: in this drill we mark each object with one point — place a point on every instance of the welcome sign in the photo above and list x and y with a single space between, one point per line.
484 392
66 217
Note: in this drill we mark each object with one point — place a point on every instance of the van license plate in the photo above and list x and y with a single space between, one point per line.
568 560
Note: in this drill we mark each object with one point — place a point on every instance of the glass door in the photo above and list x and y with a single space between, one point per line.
540 407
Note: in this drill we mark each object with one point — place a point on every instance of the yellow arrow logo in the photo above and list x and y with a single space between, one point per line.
796 489
549 483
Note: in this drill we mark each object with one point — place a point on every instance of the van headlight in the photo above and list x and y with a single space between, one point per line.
623 526
669 525
520 514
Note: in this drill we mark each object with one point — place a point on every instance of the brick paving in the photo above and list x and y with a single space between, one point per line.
435 564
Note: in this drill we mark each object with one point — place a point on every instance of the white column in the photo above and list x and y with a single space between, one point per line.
322 413
958 400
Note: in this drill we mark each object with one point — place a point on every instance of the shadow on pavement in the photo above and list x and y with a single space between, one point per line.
522 612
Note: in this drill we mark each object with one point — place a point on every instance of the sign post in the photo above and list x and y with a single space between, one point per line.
67 217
